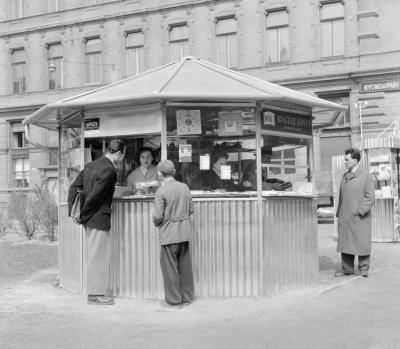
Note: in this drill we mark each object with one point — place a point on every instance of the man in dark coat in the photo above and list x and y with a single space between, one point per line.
356 197
172 208
97 180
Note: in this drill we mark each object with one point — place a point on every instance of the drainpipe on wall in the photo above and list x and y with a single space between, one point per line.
37 145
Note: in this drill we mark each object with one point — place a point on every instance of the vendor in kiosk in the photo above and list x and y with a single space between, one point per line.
144 179
215 178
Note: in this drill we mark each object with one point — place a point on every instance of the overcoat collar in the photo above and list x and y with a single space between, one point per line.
350 175
107 161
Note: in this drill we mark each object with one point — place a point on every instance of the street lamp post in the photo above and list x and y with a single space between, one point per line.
361 105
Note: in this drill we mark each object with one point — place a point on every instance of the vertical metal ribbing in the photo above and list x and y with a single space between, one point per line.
290 243
383 221
136 249
225 254
69 251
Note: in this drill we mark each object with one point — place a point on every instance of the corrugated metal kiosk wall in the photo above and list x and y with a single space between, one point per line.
231 255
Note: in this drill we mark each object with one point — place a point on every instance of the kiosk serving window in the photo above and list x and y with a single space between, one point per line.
96 147
211 147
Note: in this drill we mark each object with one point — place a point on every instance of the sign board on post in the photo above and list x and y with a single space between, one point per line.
92 124
282 122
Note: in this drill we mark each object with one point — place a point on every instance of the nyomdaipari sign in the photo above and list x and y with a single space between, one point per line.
380 86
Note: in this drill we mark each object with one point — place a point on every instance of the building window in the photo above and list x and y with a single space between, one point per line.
18 139
55 64
52 159
93 61
52 144
277 36
226 42
332 29
21 171
337 119
52 5
178 42
134 53
16 9
18 61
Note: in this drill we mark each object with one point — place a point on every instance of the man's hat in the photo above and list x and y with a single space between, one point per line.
166 166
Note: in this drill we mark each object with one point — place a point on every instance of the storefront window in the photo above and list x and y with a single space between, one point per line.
383 168
211 146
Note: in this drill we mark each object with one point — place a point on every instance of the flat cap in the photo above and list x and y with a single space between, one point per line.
166 166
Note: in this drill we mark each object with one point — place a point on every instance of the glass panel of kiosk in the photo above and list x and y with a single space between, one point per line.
211 147
70 157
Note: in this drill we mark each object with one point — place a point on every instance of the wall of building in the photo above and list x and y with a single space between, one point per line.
372 53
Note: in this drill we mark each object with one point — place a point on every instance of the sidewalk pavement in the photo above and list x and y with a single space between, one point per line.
383 255
351 312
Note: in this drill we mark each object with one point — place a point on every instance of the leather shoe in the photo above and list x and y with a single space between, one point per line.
364 275
100 300
340 274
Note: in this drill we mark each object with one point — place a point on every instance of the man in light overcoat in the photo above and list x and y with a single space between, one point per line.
356 197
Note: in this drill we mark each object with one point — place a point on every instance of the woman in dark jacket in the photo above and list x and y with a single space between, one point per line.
212 178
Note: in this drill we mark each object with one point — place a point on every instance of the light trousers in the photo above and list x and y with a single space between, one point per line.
98 258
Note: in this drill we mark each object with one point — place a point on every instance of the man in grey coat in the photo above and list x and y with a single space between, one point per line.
173 206
356 197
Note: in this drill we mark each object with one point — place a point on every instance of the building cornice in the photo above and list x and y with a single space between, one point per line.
11 111
117 15
351 77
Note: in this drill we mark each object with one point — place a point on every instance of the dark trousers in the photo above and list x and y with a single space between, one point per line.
348 263
176 268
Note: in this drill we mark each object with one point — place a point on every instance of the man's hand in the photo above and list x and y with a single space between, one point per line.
76 220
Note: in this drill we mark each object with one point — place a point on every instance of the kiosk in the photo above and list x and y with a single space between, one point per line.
250 238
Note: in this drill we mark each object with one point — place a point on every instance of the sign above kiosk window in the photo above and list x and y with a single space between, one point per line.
282 122
92 124
380 86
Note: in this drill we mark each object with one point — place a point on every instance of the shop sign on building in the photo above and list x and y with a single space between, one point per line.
380 86
281 122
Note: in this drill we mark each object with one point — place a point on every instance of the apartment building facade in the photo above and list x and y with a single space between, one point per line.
345 51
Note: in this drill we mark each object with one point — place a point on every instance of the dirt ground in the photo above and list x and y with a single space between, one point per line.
337 313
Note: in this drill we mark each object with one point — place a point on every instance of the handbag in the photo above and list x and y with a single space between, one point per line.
77 206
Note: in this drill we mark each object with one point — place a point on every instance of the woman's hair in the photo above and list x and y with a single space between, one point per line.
115 146
145 149
217 154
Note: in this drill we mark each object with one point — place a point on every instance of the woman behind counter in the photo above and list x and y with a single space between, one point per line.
144 179
213 177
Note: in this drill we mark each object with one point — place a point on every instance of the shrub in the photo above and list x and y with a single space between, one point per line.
45 199
5 223
26 212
